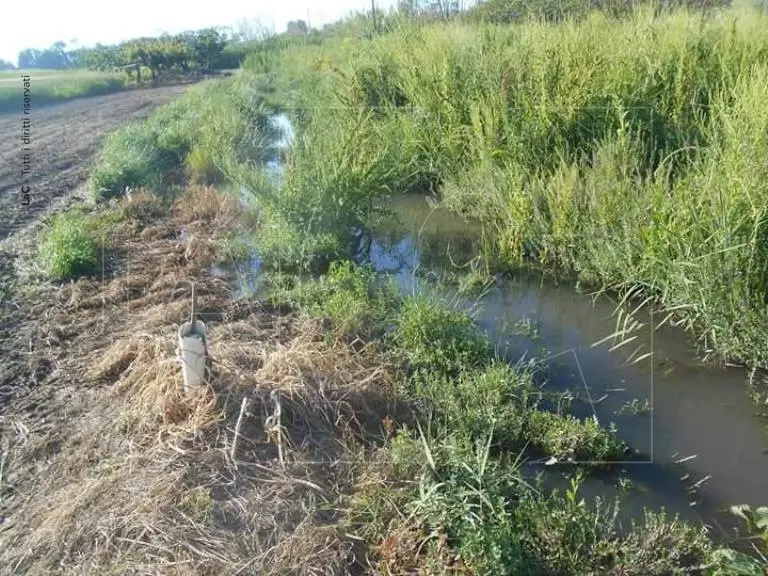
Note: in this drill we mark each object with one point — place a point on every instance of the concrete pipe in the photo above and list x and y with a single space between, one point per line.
193 352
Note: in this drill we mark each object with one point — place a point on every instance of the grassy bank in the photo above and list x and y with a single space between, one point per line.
453 487
637 167
215 128
49 86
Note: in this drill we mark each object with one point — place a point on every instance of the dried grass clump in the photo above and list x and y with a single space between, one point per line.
171 280
309 358
162 495
111 293
74 293
119 522
328 386
154 383
155 232
117 359
205 204
145 479
141 205
164 314
199 251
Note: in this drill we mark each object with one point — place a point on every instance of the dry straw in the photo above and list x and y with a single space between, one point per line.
245 476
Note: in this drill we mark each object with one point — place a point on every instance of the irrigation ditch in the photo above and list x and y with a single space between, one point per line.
699 444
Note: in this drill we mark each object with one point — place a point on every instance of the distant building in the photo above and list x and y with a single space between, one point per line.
297 28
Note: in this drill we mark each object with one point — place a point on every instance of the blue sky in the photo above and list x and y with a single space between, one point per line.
90 21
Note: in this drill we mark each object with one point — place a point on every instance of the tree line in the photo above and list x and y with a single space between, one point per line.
212 48
182 52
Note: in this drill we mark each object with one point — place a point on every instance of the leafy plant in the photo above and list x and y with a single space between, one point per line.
734 563
432 338
68 247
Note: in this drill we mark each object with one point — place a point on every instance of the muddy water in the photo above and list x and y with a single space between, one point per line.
699 447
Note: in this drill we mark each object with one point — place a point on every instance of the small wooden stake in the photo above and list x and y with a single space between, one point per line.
243 408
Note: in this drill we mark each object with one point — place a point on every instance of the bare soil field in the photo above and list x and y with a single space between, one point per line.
64 138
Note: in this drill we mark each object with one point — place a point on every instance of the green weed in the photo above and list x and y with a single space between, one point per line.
352 297
198 503
234 246
430 338
68 246
565 437
498 523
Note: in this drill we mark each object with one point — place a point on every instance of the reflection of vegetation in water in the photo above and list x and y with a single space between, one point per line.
443 252
526 327
635 406
434 243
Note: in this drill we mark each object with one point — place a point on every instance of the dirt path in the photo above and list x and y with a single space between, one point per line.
64 139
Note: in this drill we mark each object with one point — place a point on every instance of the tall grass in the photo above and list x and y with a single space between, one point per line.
201 136
629 152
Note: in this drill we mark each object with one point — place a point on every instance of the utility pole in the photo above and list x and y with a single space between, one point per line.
373 12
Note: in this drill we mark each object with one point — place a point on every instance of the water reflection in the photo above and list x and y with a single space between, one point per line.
692 423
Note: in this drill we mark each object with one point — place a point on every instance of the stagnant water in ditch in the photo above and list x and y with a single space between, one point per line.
700 447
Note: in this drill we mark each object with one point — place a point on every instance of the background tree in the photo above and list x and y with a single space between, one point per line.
160 55
140 51
28 58
206 45
102 57
55 57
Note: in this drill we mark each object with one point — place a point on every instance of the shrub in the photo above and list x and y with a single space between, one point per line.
568 438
